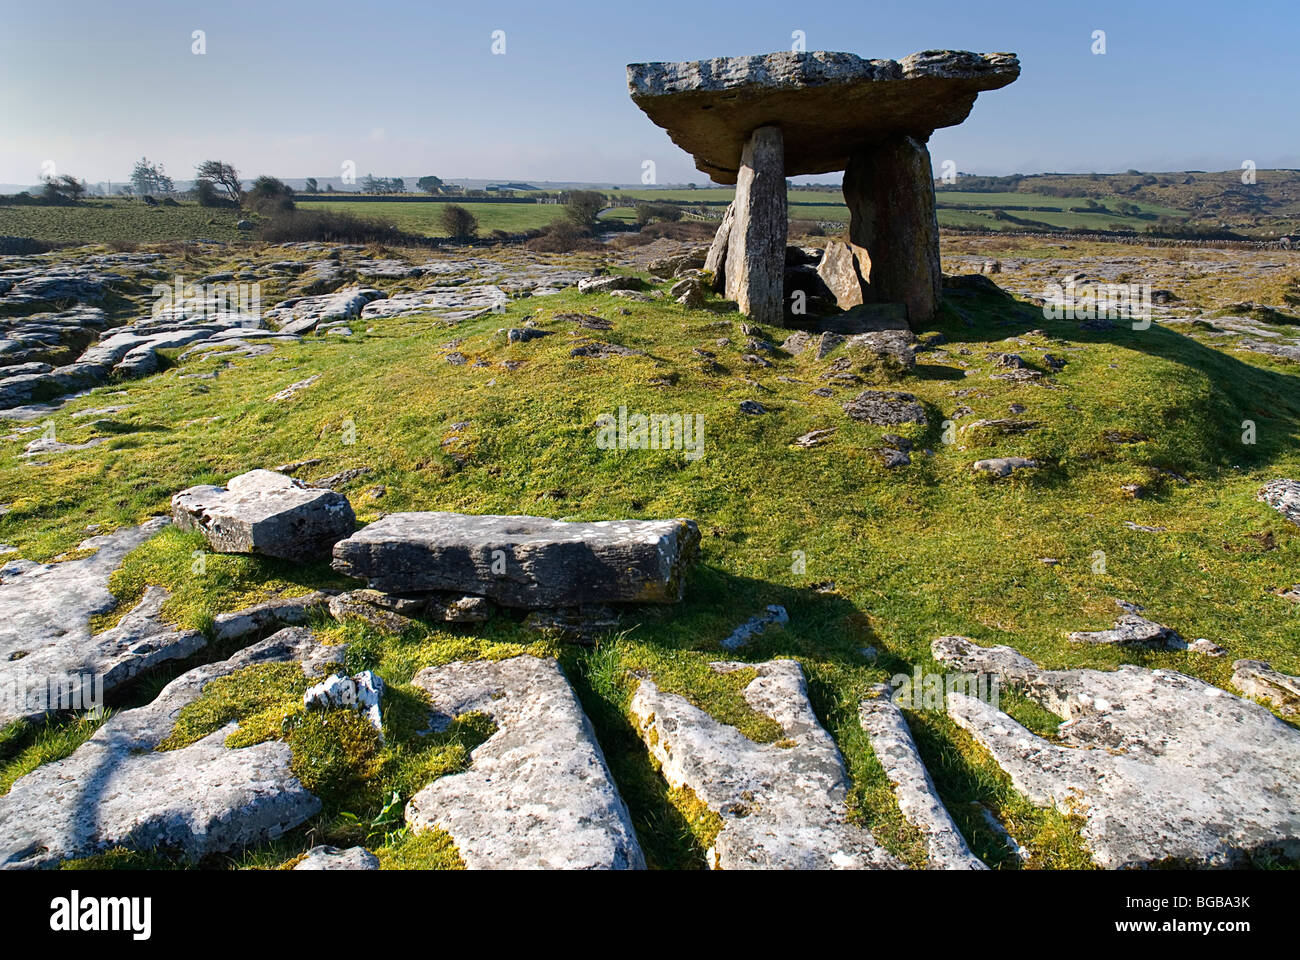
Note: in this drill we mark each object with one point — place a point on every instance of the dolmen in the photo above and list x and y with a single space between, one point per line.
754 121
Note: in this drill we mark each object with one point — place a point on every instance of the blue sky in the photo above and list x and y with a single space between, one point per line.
296 89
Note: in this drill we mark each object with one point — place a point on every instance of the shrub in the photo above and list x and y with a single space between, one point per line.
458 222
270 196
564 236
806 228
583 206
326 226
649 212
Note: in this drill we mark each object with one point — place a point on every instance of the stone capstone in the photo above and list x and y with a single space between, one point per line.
828 104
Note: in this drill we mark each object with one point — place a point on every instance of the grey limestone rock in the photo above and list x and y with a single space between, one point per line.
538 793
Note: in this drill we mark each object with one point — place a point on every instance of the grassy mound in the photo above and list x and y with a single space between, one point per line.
861 555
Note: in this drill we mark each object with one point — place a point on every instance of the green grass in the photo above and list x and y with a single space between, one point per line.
109 220
914 553
422 218
119 219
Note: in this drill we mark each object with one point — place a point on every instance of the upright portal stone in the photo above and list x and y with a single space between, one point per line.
889 190
756 247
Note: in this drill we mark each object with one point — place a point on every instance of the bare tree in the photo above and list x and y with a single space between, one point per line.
224 175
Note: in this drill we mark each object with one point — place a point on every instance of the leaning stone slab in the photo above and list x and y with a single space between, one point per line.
522 561
118 790
325 857
917 798
268 513
1165 769
828 104
1257 678
782 804
842 269
538 794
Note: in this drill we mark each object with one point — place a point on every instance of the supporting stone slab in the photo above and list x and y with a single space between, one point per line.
756 246
889 190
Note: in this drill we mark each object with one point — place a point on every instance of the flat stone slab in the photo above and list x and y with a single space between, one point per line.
118 790
828 105
538 794
521 561
1166 769
783 803
1133 630
267 513
918 800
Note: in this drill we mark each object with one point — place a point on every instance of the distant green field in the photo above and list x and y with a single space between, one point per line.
103 221
119 219
423 218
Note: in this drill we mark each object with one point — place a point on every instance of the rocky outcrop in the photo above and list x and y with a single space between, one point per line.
521 561
303 314
45 611
886 408
1164 768
782 804
1004 466
267 513
1257 678
538 793
118 790
1284 497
